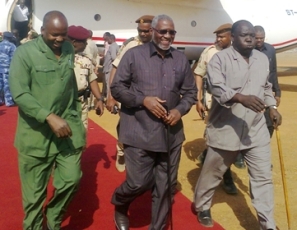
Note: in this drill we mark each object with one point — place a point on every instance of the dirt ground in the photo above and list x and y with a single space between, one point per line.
235 212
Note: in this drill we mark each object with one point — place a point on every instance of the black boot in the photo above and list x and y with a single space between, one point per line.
228 183
202 156
239 163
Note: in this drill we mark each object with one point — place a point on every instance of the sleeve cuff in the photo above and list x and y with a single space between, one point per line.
42 115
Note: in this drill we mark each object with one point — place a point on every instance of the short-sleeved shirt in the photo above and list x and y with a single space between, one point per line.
84 71
91 51
130 43
204 59
19 14
40 85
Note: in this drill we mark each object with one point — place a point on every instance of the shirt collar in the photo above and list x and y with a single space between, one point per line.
153 50
43 47
263 47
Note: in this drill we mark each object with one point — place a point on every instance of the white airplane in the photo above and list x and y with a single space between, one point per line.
195 20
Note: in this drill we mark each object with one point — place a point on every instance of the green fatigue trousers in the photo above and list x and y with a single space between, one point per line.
35 174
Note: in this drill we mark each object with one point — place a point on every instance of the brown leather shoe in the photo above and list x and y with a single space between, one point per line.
121 217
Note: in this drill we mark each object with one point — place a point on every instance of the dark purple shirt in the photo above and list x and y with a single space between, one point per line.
142 72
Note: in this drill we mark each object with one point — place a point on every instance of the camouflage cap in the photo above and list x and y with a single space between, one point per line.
145 19
223 28
78 32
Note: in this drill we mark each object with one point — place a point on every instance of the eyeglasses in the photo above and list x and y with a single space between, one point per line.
163 32
143 31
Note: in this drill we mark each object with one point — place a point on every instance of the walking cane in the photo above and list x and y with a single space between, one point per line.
169 174
280 153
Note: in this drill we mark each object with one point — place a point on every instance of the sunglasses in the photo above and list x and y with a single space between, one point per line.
163 32
143 31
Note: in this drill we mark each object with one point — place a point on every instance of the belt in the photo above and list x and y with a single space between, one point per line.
81 93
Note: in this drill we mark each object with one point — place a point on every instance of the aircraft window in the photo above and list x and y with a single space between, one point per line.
193 23
97 17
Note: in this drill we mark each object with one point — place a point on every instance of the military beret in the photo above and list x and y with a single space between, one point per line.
223 28
7 34
145 19
78 32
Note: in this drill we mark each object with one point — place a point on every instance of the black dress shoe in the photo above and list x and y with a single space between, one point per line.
229 187
121 217
204 218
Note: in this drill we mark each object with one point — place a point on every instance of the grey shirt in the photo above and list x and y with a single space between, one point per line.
232 126
142 72
110 55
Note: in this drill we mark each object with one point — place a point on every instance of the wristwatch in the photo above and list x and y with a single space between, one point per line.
273 107
100 99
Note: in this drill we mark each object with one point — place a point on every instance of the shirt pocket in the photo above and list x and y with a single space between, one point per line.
45 75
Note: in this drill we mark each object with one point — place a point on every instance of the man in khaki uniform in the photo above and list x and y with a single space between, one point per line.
91 51
223 40
144 36
84 72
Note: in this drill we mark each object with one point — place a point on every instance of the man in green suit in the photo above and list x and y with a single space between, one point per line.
50 134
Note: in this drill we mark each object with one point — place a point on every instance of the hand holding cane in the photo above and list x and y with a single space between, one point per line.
169 172
283 176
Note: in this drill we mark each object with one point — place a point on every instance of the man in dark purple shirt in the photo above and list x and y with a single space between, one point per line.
269 51
150 78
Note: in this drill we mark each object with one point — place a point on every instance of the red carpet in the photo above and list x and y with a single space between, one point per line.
91 208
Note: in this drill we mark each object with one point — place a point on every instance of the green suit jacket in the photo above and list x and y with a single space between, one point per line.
42 84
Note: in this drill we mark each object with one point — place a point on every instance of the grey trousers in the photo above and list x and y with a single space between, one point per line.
147 170
258 160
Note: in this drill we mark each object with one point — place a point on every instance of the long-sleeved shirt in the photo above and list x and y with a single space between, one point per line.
143 72
40 85
7 50
232 126
269 51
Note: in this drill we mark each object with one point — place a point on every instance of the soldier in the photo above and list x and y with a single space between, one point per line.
223 40
91 51
144 36
7 49
84 72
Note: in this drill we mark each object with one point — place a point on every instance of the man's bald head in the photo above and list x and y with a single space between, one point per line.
54 17
54 30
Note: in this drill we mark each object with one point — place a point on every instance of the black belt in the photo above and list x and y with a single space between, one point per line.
81 93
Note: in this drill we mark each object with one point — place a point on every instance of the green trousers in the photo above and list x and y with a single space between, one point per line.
35 174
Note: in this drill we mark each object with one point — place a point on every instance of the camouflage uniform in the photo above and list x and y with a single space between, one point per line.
128 44
84 73
202 67
6 52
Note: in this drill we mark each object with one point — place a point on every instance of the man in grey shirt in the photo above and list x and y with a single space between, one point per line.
110 55
238 80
